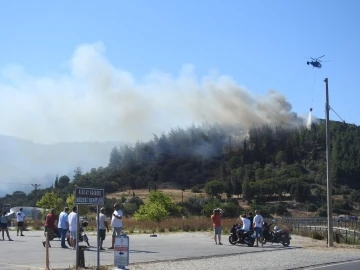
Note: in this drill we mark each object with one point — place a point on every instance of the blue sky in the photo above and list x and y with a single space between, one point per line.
262 45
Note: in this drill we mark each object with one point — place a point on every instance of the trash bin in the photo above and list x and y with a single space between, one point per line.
81 258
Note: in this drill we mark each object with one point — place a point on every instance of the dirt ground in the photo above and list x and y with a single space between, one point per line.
175 194
307 242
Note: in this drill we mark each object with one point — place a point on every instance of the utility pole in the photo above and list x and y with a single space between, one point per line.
329 182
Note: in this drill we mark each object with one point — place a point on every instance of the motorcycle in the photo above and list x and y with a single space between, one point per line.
246 238
276 236
82 235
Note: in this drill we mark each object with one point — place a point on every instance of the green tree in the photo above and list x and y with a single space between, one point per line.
70 201
280 157
51 200
56 184
158 207
151 211
115 158
247 191
235 162
64 181
77 174
214 188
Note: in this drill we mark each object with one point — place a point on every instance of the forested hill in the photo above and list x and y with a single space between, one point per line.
264 162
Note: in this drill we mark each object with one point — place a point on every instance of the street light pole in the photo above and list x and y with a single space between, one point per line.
328 172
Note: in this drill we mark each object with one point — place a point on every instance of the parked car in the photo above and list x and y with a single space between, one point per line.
340 218
353 218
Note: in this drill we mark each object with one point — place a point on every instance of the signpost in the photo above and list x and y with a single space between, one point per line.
121 251
88 196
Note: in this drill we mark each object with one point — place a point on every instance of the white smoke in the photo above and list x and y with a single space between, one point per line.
96 101
309 121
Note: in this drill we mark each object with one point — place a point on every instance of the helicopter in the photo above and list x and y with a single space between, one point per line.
316 62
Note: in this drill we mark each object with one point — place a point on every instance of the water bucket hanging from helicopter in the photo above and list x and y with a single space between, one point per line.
316 63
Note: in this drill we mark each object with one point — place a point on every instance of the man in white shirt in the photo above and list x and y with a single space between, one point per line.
245 226
258 223
20 218
63 225
103 227
116 223
72 226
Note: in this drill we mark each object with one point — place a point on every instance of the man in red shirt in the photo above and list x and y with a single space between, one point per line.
216 219
50 226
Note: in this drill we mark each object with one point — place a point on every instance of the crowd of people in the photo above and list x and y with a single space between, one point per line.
248 222
4 221
65 225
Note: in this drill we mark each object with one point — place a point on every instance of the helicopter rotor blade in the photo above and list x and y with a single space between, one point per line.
321 56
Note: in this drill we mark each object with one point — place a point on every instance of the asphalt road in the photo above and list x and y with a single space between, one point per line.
184 249
352 265
28 252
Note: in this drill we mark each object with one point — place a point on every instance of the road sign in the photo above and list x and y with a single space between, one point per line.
92 196
121 251
6 208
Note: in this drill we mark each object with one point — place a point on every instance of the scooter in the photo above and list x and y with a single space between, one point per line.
247 237
276 236
82 235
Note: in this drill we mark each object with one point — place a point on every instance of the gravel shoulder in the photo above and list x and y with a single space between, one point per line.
306 252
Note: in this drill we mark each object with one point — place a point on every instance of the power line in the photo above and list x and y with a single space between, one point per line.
337 114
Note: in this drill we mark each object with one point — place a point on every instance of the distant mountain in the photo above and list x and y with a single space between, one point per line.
23 162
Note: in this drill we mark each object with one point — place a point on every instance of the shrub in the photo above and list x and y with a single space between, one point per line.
280 210
317 236
196 189
311 207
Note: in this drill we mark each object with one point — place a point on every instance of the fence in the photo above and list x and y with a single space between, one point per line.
339 235
344 231
317 221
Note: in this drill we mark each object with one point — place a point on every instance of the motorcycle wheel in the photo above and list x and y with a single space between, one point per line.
231 241
251 242
285 241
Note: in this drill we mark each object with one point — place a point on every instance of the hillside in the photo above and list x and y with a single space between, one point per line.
273 168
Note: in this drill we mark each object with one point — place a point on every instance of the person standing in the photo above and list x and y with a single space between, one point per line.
63 226
20 218
4 226
72 226
251 218
216 220
103 227
50 226
116 223
258 223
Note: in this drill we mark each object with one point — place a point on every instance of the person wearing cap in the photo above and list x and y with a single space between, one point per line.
116 223
103 227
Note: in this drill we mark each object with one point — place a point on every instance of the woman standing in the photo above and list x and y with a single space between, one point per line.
4 226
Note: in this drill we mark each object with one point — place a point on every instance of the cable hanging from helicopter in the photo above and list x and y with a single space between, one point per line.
316 63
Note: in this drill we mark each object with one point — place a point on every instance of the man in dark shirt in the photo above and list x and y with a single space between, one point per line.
50 226
250 216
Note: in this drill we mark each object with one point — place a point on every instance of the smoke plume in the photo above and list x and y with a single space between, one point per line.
95 101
